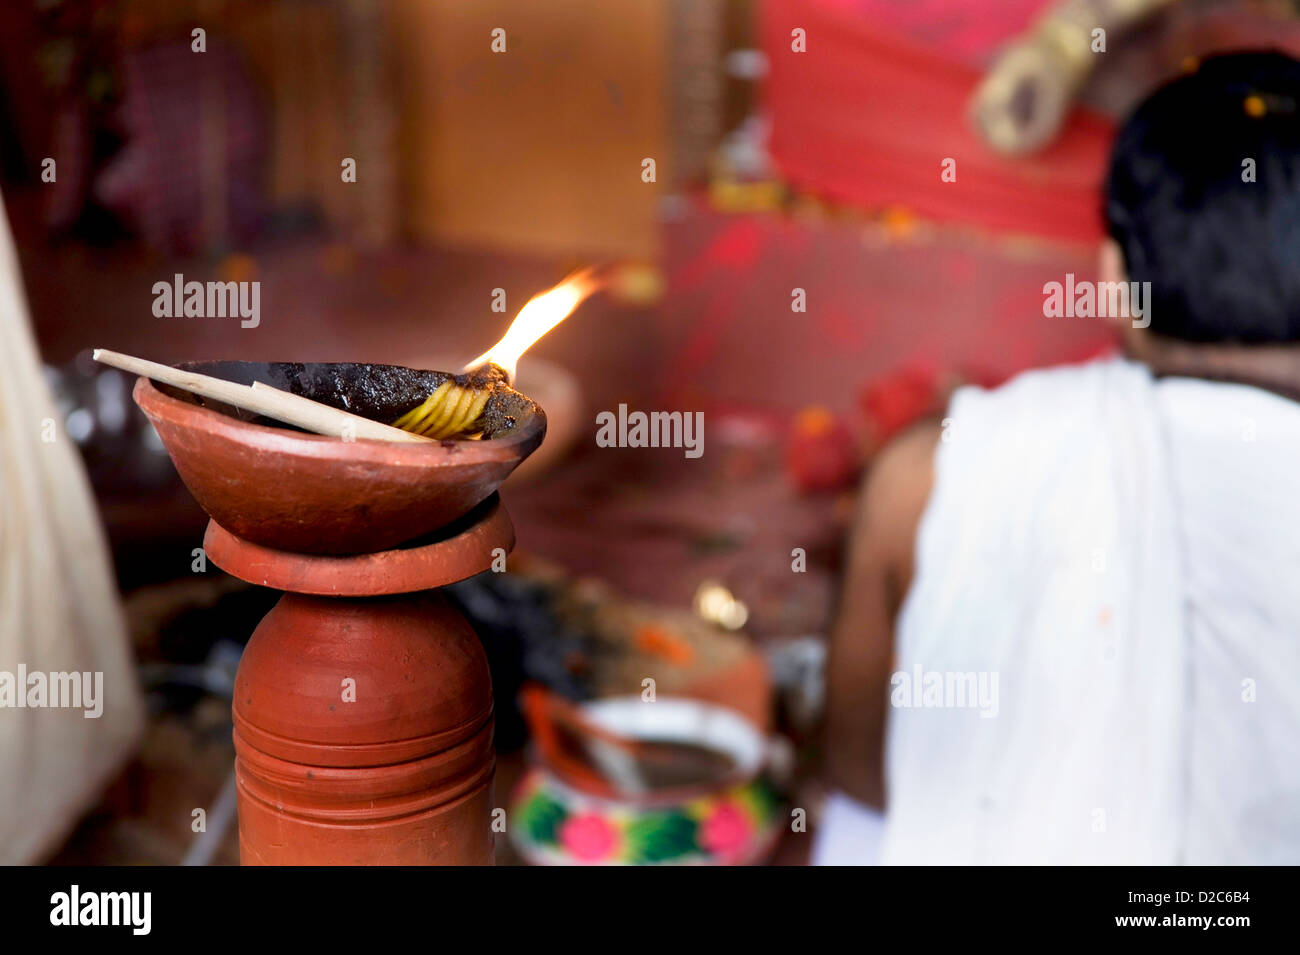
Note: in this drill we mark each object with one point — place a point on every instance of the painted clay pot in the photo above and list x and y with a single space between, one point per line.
557 818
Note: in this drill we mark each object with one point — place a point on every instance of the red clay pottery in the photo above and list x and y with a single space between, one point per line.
363 702
608 809
313 494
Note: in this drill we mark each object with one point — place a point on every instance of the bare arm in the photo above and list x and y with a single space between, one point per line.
878 574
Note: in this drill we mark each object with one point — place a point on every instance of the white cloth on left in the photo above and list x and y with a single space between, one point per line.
59 608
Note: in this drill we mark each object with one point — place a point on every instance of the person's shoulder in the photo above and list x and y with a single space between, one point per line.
896 492
908 457
1066 382
1038 406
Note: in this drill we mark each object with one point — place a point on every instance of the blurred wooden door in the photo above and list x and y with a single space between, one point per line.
538 148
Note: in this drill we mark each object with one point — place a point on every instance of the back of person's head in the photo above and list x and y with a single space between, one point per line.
1216 235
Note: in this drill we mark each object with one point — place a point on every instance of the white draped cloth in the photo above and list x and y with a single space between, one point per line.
59 609
1119 557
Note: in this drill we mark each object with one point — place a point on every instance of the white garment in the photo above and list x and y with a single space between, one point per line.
59 609
1119 553
1235 455
847 832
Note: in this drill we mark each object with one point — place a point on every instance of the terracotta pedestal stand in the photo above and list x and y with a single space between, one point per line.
363 705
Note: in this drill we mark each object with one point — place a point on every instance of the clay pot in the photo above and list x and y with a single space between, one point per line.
363 702
558 817
363 735
363 724
312 494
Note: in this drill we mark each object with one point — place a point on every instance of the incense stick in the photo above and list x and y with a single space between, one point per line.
262 399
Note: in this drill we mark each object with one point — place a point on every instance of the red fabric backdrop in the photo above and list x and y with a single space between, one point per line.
868 114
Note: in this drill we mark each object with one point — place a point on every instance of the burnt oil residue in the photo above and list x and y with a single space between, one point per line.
379 392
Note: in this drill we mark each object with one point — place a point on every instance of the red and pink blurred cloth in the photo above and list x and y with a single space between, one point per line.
190 175
869 113
968 31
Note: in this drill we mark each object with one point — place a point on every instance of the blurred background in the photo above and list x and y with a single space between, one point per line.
777 171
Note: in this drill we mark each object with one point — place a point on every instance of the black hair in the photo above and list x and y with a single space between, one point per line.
1222 253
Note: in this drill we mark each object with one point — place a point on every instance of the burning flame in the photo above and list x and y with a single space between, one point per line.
539 315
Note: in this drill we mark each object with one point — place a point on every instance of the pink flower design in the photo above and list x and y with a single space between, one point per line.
588 837
726 831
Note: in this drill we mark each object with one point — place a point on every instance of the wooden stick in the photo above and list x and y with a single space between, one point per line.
262 399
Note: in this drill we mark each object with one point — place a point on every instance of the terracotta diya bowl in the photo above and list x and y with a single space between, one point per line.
286 489
727 814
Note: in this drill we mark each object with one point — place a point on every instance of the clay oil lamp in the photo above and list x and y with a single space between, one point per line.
363 704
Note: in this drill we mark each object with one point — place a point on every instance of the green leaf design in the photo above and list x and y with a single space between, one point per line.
660 837
542 818
761 799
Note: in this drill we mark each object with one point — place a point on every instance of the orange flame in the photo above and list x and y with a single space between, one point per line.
539 315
